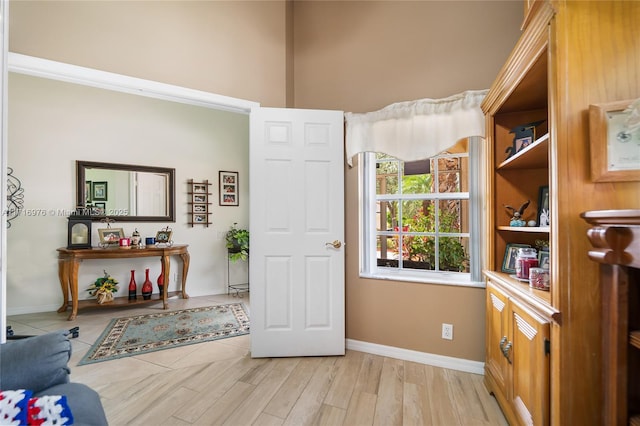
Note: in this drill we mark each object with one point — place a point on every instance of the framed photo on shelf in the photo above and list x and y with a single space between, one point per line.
544 211
510 254
228 188
199 208
110 235
615 141
164 236
543 259
200 187
99 191
199 198
522 143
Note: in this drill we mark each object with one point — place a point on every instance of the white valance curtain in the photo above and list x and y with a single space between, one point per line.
416 130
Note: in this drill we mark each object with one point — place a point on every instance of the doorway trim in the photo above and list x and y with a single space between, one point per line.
45 68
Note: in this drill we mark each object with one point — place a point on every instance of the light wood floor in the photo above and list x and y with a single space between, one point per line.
218 383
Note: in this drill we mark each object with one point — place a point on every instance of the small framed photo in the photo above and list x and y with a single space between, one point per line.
543 259
510 254
99 191
199 208
164 236
87 191
110 235
544 211
614 141
200 218
98 209
199 198
200 187
522 143
228 188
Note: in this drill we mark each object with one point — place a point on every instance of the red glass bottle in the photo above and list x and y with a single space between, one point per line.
147 287
161 280
132 286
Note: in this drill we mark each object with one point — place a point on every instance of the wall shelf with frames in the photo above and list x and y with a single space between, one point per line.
199 205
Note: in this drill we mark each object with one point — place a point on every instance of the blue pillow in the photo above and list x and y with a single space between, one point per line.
35 363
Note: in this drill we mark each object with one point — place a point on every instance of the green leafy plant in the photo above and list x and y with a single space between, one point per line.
103 288
237 243
103 284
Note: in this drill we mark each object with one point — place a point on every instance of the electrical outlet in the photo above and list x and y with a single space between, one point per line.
447 331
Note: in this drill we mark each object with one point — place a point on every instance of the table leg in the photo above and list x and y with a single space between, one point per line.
63 275
73 284
185 270
166 264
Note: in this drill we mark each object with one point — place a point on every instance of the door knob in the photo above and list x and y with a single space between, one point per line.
336 244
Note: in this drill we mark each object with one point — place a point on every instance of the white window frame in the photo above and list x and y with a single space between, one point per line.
368 233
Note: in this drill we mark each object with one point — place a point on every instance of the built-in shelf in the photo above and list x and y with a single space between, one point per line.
535 156
124 301
528 229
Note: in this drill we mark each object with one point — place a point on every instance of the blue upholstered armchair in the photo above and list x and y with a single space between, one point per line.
39 364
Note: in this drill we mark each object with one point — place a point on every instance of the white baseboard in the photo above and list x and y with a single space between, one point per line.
451 363
31 309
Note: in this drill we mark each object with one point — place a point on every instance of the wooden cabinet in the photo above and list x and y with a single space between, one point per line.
517 361
615 236
564 61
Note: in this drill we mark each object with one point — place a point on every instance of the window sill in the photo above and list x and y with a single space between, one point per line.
438 278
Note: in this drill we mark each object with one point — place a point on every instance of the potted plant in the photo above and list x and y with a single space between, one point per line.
237 243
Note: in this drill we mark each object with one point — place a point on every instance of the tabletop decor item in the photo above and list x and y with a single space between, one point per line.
103 288
164 236
147 287
132 285
516 214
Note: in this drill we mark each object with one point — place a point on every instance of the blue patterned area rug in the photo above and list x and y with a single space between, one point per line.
140 334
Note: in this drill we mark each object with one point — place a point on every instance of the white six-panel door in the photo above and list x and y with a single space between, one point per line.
296 215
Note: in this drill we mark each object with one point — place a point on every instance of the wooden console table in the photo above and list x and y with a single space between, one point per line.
69 261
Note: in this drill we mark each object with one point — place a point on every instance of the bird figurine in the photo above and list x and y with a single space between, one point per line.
516 214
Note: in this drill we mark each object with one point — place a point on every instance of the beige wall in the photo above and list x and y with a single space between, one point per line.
232 48
352 56
361 56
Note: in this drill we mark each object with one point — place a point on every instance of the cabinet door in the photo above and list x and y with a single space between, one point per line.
530 363
497 334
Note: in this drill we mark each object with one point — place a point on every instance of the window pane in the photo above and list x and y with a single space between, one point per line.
418 216
387 177
418 252
387 249
386 215
454 254
417 179
448 175
454 216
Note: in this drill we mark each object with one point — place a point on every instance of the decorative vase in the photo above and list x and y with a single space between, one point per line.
161 281
132 286
147 287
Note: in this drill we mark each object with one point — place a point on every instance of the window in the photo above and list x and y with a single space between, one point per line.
420 220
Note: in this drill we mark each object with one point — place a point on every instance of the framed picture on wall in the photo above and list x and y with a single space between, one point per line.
87 191
99 191
228 188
